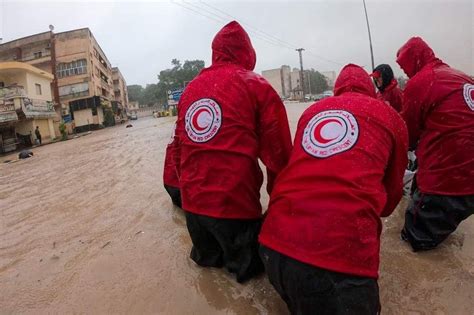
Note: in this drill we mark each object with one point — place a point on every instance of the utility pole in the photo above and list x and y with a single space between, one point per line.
52 44
370 37
300 50
309 83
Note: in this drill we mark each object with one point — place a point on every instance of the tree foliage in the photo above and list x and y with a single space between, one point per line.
316 80
169 79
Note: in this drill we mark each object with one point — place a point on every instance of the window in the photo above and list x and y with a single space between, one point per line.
38 54
76 67
38 88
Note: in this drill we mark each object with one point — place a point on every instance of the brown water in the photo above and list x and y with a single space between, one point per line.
86 227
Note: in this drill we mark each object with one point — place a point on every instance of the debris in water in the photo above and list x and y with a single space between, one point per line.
106 244
129 126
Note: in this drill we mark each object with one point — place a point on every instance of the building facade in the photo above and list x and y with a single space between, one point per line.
25 103
83 82
285 81
120 103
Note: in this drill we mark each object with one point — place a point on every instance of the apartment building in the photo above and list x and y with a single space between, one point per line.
120 103
83 88
25 103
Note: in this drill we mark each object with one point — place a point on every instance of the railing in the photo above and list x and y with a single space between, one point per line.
12 92
34 105
30 58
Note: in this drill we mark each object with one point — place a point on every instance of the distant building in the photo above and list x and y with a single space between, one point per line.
133 106
25 103
83 85
285 82
120 104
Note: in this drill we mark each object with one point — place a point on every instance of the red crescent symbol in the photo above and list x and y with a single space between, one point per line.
317 131
195 118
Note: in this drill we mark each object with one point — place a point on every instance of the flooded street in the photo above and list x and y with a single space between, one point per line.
86 227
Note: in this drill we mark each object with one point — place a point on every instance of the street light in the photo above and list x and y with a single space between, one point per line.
370 37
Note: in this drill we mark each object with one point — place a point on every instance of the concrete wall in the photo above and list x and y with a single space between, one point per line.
12 78
27 127
273 76
100 116
24 127
33 79
83 117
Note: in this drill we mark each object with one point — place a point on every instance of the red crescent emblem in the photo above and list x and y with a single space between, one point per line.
320 126
195 119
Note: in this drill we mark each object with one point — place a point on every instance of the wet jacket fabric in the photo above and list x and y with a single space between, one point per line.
170 175
228 117
392 95
439 113
345 172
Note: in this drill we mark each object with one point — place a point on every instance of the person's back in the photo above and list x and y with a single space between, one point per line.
439 112
228 118
345 172
340 179
444 129
223 116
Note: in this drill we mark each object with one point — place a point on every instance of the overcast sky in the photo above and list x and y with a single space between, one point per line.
141 38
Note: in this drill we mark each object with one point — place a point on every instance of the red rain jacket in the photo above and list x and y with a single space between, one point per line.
392 95
439 112
228 118
345 172
170 176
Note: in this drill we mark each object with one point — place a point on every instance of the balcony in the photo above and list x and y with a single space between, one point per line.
12 92
34 108
14 101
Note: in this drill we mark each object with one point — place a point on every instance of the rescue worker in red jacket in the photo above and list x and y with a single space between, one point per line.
439 113
321 237
170 175
388 90
228 118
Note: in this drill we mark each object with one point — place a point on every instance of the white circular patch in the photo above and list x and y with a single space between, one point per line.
469 95
203 120
330 132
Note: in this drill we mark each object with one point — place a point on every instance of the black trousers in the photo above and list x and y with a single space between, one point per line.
175 195
229 243
310 290
430 219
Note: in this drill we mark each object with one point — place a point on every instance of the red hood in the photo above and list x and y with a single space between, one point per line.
232 45
354 79
414 55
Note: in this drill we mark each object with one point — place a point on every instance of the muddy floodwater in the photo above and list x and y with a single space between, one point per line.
86 227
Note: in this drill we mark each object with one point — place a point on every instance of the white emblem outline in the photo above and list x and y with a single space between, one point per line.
211 107
340 144
467 88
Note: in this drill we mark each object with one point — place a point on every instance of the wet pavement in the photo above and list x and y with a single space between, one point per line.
86 227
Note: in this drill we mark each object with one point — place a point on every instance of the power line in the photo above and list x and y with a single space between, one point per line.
287 44
264 38
199 13
257 33
291 46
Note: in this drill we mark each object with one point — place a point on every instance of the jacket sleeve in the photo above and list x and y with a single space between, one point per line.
393 179
415 106
273 131
176 144
397 100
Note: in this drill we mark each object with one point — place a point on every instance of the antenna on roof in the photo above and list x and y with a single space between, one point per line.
51 27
